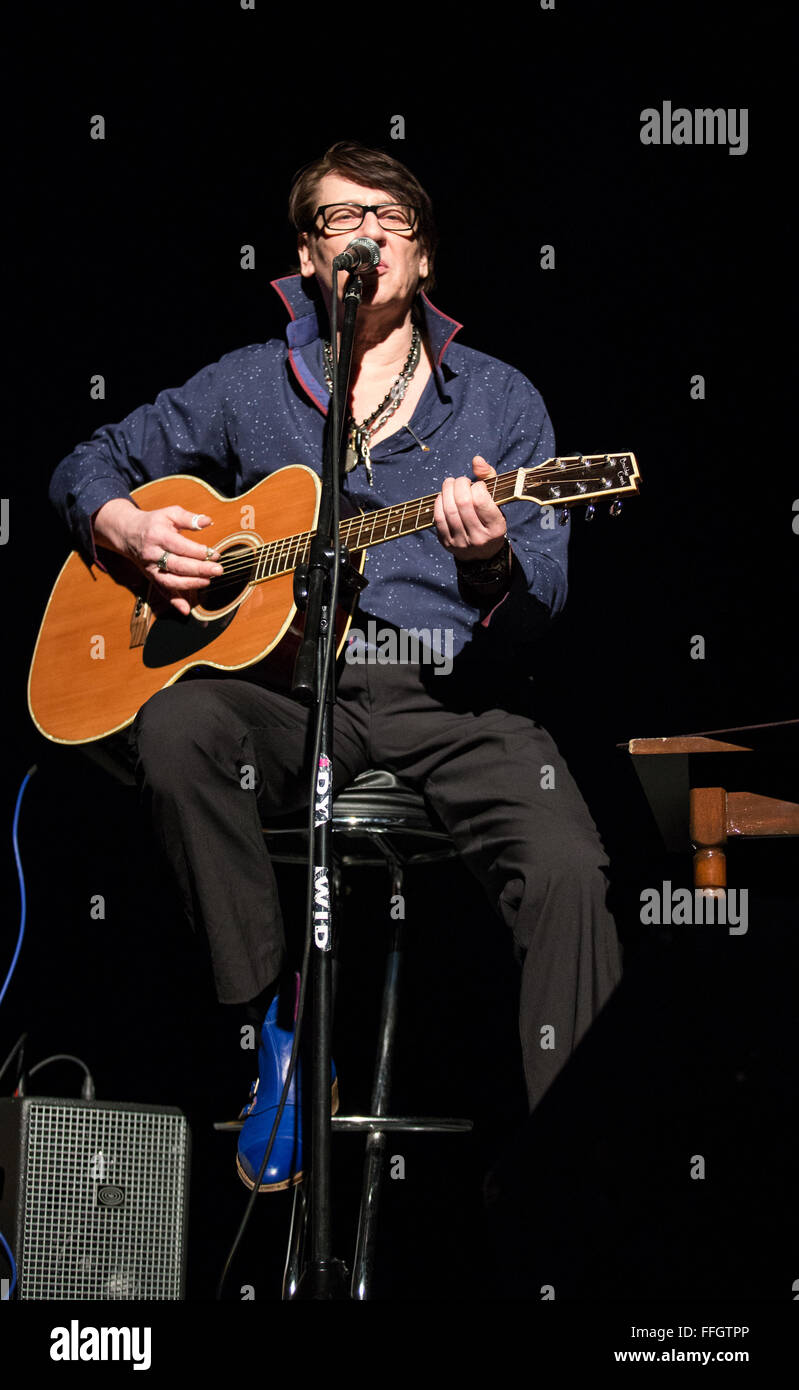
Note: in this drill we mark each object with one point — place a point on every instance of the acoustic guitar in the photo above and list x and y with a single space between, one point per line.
106 644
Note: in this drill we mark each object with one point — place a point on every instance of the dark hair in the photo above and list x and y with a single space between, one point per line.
375 169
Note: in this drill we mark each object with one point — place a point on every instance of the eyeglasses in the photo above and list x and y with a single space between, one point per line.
348 217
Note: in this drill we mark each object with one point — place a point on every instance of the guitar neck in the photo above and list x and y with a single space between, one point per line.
403 519
558 482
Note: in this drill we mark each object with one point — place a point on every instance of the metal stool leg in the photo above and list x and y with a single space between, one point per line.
386 815
296 1243
374 1162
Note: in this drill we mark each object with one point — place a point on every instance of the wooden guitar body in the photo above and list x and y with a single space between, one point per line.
102 651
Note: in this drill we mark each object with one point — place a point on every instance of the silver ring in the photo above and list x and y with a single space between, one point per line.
163 562
195 522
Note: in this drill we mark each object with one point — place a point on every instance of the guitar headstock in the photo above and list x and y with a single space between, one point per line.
577 478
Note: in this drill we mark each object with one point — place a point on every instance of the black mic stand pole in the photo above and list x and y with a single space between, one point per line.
324 1277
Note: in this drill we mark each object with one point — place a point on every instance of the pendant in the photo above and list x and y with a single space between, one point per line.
368 462
352 453
357 449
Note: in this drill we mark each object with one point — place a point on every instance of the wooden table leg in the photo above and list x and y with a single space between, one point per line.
709 838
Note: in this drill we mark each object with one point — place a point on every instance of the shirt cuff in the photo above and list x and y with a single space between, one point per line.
516 572
84 507
533 600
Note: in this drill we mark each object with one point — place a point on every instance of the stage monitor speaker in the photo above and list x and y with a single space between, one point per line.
94 1198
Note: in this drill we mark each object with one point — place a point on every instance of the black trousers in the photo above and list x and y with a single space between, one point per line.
217 757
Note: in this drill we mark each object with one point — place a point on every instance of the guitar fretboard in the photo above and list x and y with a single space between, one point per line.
575 478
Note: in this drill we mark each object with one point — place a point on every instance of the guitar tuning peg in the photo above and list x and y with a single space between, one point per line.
563 516
590 512
615 507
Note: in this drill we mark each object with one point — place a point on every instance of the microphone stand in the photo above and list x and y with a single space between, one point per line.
316 590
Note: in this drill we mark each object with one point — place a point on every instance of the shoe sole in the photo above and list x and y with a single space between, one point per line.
296 1177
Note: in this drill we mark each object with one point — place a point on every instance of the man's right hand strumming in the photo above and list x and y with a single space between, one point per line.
177 567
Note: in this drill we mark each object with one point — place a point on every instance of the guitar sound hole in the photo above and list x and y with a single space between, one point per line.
241 562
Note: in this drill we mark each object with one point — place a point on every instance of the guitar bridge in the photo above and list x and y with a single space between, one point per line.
140 622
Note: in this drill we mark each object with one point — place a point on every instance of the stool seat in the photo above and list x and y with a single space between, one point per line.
375 812
380 798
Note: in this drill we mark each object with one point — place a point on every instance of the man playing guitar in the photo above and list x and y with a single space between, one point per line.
427 416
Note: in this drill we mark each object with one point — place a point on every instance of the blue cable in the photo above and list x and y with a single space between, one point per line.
13 1264
11 969
21 876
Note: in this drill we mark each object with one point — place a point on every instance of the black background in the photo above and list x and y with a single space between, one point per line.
670 261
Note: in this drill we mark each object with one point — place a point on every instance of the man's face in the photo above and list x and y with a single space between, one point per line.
402 261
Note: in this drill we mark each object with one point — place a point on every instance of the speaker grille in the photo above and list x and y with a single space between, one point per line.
104 1203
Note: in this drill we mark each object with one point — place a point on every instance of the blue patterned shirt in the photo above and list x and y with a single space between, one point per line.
263 407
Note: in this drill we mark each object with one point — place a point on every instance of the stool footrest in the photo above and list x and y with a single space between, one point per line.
375 1124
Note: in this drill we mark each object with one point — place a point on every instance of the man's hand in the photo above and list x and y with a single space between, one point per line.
469 524
144 537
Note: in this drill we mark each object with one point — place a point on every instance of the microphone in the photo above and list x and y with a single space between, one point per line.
361 254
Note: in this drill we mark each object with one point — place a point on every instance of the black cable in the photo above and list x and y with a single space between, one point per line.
87 1089
19 1046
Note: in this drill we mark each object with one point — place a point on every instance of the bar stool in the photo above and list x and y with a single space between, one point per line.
375 821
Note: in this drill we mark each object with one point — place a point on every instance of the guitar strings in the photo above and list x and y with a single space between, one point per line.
504 490
277 551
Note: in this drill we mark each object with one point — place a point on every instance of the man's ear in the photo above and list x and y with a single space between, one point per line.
303 251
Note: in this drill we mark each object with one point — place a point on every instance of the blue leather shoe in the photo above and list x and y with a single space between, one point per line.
284 1168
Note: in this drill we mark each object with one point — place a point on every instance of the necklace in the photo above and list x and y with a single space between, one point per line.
358 436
